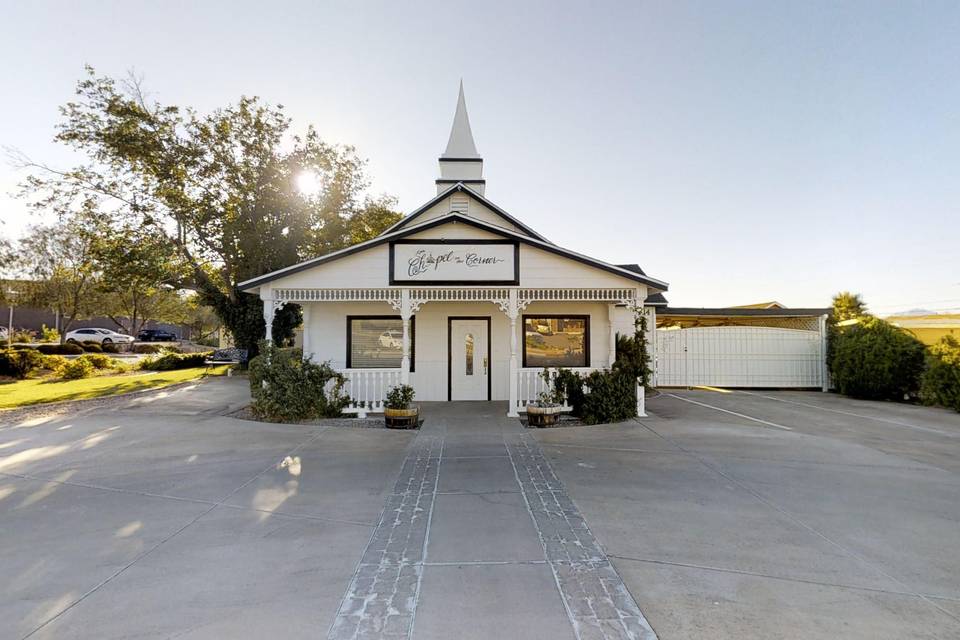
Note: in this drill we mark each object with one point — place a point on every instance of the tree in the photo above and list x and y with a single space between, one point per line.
201 319
220 188
138 273
848 306
59 261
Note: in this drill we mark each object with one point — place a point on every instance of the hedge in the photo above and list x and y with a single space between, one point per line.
875 360
67 349
941 381
19 363
75 369
172 361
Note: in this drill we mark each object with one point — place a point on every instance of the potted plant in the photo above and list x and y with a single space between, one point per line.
547 409
397 412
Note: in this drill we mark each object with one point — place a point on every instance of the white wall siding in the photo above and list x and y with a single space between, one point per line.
739 357
328 338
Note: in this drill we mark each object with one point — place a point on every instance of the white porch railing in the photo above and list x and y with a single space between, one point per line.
368 389
530 383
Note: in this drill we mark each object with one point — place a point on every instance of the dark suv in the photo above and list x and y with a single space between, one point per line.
156 335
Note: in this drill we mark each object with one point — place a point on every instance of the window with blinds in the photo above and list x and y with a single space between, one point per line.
375 342
556 341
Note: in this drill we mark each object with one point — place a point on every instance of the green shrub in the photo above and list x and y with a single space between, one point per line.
23 335
99 360
49 335
285 388
52 362
171 361
91 347
611 396
19 363
876 361
68 349
110 348
75 369
941 380
400 397
632 356
146 348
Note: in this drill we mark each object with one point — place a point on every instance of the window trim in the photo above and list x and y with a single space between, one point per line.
413 341
558 316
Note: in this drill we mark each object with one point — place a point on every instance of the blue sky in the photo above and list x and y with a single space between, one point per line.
741 151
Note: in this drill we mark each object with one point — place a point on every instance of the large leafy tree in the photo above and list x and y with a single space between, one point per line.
138 274
220 188
61 273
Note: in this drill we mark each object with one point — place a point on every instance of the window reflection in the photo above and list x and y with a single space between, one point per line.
468 350
555 341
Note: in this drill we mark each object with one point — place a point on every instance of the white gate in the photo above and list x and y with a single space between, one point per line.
741 357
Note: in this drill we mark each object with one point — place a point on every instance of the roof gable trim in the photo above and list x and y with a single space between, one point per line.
446 219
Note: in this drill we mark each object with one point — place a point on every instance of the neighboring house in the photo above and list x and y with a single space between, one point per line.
929 328
460 299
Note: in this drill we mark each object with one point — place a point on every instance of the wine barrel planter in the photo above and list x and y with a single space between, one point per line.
402 418
543 416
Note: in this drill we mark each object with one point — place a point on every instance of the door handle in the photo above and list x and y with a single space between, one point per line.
484 365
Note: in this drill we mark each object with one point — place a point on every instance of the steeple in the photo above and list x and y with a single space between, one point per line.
461 162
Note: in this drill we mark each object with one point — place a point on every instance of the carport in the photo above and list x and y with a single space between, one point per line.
742 347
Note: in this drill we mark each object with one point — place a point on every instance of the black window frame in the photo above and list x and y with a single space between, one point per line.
558 316
413 340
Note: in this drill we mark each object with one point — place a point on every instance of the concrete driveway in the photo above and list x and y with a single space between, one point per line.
777 514
764 515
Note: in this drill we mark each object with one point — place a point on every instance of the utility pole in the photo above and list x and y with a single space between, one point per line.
10 294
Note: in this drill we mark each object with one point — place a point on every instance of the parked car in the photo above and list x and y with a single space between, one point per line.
102 336
391 339
157 335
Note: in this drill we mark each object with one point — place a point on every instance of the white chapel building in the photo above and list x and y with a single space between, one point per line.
459 299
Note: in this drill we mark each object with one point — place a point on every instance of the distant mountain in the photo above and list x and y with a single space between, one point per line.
914 312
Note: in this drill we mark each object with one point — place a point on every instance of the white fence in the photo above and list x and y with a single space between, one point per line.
741 357
368 389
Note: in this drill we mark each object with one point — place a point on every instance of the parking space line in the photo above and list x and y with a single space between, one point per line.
850 413
733 413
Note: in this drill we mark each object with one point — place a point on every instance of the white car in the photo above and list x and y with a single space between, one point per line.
391 339
101 336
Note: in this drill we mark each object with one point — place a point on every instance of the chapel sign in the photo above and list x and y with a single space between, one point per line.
440 262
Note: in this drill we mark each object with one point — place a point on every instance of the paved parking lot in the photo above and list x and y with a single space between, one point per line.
807 515
761 515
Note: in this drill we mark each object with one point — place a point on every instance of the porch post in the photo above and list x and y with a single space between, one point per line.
305 310
512 312
405 313
612 352
268 310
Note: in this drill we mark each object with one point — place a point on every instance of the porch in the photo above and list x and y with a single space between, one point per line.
431 355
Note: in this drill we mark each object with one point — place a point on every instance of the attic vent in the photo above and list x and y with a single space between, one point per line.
459 204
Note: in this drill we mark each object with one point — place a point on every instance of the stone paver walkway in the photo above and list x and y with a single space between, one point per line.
479 539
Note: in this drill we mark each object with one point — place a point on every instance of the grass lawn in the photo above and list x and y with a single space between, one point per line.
22 393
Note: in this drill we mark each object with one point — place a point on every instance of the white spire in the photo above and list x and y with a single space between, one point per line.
461 144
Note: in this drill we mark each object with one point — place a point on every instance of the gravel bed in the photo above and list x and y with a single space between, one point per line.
357 423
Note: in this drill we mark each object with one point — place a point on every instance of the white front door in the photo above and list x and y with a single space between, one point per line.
469 359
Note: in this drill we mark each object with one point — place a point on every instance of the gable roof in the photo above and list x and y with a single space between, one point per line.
445 219
654 299
461 187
